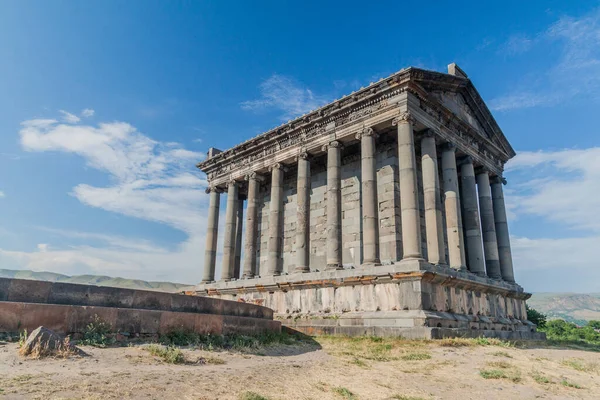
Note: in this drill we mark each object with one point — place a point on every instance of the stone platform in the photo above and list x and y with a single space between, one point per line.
413 299
68 308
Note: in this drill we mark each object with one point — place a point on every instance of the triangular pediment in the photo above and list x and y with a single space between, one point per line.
457 94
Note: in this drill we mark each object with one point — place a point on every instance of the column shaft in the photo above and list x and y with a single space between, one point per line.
470 215
230 232
238 239
506 264
433 203
409 196
488 226
370 227
303 214
334 203
212 225
275 220
251 228
454 228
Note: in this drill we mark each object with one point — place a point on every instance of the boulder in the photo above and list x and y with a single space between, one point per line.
44 342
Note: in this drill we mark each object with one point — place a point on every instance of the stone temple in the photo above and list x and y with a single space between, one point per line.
381 213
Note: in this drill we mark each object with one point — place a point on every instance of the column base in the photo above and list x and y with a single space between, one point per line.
303 269
373 263
331 267
248 276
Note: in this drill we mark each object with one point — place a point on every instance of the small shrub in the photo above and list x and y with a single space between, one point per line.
345 393
22 337
416 356
252 396
570 384
168 354
536 317
513 376
540 378
97 333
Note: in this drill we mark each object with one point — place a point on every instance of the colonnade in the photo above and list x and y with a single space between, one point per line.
476 234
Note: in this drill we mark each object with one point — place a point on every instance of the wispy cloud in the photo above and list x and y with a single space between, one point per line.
2 194
516 44
575 72
69 118
87 112
150 180
286 95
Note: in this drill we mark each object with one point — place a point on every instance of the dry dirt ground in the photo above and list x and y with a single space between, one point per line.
326 368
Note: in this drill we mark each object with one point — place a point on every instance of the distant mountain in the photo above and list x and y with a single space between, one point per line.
97 280
572 307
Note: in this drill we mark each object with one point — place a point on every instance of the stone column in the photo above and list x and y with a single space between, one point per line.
212 227
303 213
470 214
238 239
251 227
409 196
370 227
506 264
488 226
275 220
334 205
454 228
230 231
433 203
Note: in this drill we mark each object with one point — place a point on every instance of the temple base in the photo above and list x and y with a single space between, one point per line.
412 298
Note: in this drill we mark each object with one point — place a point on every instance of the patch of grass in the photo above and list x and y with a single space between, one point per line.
470 342
359 362
403 397
22 337
513 376
345 393
500 364
416 356
98 333
168 354
501 354
570 384
580 365
23 378
252 396
227 342
213 360
540 378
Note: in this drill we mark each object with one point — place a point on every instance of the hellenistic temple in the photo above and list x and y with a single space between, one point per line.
381 213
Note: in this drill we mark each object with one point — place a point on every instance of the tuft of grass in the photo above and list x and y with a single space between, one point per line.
168 354
570 384
252 396
470 342
501 354
213 360
416 356
500 364
22 337
579 365
238 342
513 376
98 333
359 362
540 378
345 393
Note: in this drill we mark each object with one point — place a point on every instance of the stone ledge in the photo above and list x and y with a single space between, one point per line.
367 275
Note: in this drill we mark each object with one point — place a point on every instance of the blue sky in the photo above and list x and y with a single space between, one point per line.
105 106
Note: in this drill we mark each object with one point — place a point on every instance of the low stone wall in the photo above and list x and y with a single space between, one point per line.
69 308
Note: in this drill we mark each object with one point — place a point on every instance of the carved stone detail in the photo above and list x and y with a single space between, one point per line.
404 118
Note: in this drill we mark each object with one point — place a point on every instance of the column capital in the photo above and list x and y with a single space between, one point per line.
231 183
279 166
448 146
465 160
498 179
481 170
215 189
404 118
302 155
254 176
429 133
365 131
336 144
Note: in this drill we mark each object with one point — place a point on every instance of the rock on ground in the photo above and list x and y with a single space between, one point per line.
45 342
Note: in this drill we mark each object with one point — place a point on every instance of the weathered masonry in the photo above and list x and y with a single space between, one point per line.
380 213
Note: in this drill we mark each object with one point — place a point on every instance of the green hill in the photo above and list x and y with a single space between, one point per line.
572 307
97 280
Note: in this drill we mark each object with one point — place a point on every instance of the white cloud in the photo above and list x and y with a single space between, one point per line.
576 71
87 112
284 94
517 44
150 180
560 188
2 194
69 118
